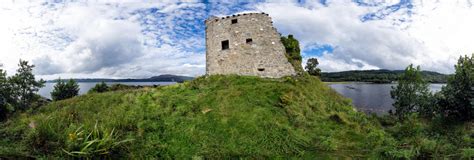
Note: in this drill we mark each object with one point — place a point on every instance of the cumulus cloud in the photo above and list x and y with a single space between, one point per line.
431 35
142 39
98 41
107 39
164 60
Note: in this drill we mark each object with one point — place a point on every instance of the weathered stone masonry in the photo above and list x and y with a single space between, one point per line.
245 44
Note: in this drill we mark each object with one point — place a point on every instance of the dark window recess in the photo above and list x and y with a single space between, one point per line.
261 69
248 41
225 44
234 21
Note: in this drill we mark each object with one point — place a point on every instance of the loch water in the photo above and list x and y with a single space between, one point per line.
369 97
84 87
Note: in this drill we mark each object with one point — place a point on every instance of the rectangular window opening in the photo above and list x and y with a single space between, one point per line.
261 69
225 44
234 21
248 41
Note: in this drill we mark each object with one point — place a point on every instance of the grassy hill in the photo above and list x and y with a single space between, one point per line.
209 117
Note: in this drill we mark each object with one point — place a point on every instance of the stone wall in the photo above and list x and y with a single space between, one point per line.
263 56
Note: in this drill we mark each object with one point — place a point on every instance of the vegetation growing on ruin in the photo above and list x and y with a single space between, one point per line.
293 53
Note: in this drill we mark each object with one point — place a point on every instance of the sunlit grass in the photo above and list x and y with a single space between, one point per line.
210 117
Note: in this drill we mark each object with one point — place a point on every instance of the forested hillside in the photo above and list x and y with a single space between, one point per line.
378 76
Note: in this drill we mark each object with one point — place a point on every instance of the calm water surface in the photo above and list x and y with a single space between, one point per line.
84 87
371 98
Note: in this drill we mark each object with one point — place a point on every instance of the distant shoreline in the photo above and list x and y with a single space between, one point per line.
79 81
160 78
381 76
362 82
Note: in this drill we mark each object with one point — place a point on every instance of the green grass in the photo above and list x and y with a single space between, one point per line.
210 117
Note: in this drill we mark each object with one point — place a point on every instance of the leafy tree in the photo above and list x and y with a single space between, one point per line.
5 95
25 86
64 90
312 67
99 88
292 47
411 94
457 99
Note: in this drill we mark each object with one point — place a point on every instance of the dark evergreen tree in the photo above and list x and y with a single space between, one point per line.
64 90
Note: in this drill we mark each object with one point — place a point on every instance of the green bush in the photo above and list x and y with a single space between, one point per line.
293 54
99 88
418 138
411 94
457 97
411 127
376 138
119 87
467 153
402 153
64 90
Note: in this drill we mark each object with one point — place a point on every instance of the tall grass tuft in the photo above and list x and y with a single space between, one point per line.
98 142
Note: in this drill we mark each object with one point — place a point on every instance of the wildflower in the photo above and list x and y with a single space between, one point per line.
72 136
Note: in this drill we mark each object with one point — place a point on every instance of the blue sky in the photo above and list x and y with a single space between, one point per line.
133 39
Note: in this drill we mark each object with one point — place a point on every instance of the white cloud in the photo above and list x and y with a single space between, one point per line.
100 39
433 36
142 39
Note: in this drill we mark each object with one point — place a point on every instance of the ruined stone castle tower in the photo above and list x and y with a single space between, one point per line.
245 44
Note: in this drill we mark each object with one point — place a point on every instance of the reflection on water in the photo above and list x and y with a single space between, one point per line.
85 87
371 98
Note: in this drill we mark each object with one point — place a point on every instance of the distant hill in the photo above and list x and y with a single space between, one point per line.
160 78
378 76
172 78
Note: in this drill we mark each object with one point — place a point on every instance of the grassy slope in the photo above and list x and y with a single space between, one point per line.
215 117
